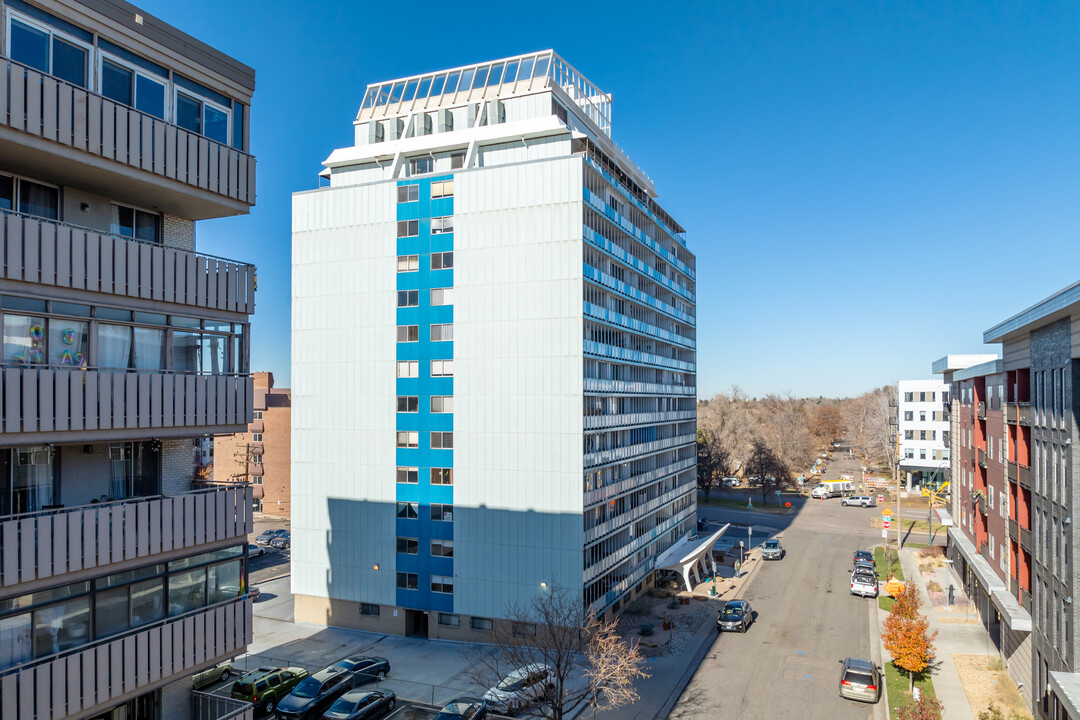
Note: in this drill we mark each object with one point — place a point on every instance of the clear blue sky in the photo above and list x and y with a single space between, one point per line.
867 185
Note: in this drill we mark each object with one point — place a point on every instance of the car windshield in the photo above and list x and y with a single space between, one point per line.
772 544
244 688
343 706
732 612
510 684
308 688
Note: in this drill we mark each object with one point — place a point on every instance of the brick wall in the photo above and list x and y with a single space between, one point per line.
176 700
177 465
178 232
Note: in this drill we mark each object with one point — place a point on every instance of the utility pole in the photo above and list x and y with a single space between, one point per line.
894 421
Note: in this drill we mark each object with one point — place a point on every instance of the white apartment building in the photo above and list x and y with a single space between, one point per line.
923 421
493 358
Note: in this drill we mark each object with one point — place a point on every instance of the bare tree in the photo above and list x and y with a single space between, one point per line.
785 426
713 461
765 466
588 660
827 423
872 426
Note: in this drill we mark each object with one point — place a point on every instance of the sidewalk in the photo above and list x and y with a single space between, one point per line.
669 675
955 637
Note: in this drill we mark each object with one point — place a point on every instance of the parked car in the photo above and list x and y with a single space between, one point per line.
268 535
267 685
864 583
864 555
255 550
361 705
735 615
463 708
209 676
281 542
314 694
771 550
729 482
524 687
863 565
366 669
860 680
860 500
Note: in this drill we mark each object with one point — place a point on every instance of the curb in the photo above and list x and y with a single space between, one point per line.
705 637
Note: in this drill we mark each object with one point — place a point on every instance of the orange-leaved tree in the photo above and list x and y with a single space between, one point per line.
906 635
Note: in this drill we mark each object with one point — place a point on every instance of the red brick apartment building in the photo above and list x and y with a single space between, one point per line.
1013 427
261 455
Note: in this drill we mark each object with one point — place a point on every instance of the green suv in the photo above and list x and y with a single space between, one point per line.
265 686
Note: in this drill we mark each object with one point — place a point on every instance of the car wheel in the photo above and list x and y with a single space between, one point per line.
225 674
268 707
381 676
391 705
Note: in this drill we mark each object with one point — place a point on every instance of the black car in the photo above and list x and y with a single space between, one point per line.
366 669
361 705
282 541
315 694
463 708
864 556
735 615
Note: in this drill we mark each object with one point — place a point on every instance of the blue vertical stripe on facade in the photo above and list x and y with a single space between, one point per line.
424 387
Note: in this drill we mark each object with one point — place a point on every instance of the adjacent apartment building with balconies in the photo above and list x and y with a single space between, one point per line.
493 358
1022 414
121 344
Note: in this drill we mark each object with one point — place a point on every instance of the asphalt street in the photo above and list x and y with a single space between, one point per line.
788 663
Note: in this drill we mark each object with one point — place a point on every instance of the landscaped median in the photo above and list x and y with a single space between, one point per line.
887 568
897 682
907 639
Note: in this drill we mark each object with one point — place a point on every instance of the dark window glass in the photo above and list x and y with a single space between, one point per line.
216 126
113 314
188 113
238 126
63 308
69 62
150 96
40 200
29 46
124 222
7 192
146 226
116 82
111 612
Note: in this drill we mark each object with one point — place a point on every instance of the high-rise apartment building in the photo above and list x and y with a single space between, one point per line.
1014 549
493 357
121 345
924 426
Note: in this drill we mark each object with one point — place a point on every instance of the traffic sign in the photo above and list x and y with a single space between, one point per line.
886 511
880 499
885 523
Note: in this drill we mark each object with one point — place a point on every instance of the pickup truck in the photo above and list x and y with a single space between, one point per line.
772 550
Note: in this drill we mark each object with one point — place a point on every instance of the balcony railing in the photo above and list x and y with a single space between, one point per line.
982 458
1014 529
50 399
593 422
981 410
45 252
205 706
1018 413
47 107
1025 539
81 680
56 542
1020 474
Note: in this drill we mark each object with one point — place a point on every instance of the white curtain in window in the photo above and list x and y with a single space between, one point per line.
114 346
33 479
119 471
149 349
24 339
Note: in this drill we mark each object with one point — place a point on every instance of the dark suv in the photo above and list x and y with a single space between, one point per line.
315 694
266 686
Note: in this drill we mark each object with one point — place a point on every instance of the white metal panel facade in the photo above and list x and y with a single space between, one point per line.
343 374
518 383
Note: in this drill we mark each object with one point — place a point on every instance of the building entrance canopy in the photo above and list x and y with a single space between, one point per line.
683 557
